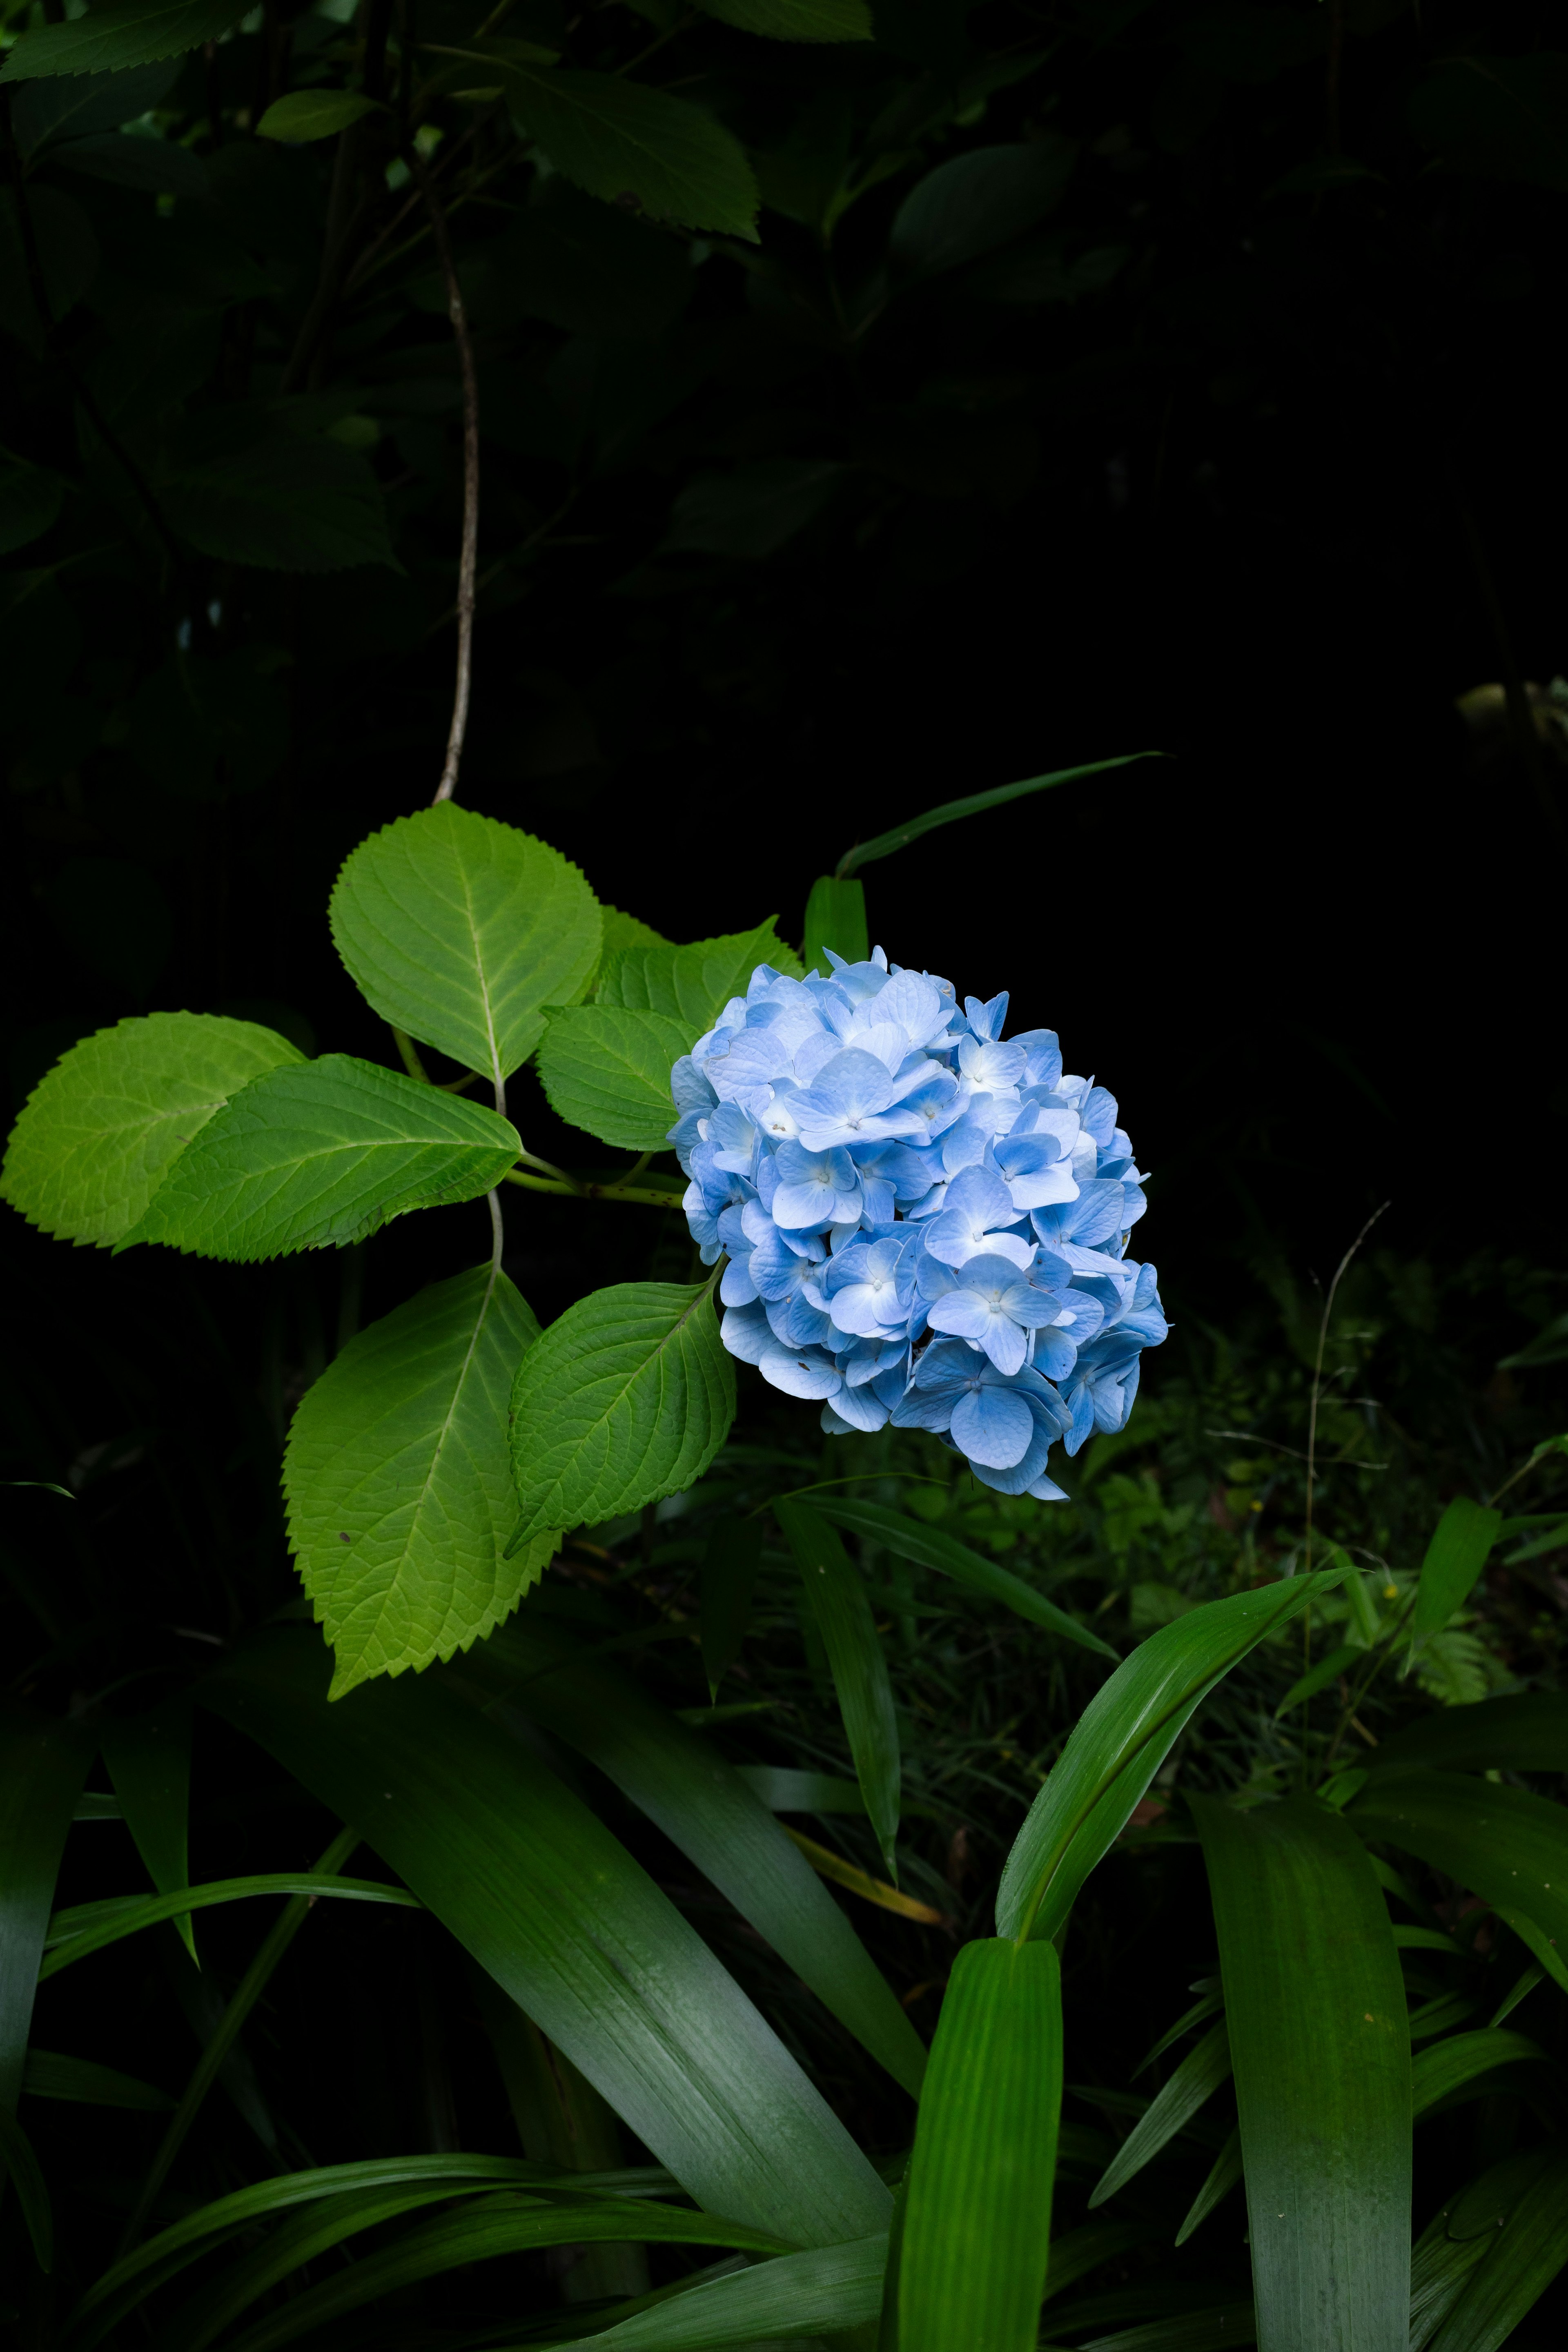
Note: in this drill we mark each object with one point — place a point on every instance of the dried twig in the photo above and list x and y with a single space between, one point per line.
467 562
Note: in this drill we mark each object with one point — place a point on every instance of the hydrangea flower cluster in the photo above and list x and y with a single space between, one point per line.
925 1222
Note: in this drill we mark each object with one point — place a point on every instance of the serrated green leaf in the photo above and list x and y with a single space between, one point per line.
623 932
606 1069
1316 2016
826 2292
129 33
620 139
459 928
320 1155
149 1761
1194 2081
795 20
307 114
399 1481
835 1594
624 1400
695 983
930 1548
47 2076
1455 1558
977 2220
100 1133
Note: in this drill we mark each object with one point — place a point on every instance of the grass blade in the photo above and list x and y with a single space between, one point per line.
1194 2081
26 2177
1522 2260
91 1926
884 845
1315 2004
1448 2066
929 1548
50 2076
978 2218
784 1790
836 1595
1455 1558
42 1767
1194 2331
1224 2174
829 1864
828 2290
1501 1843
149 1761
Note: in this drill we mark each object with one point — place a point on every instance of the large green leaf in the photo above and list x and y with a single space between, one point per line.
626 1398
1525 1733
399 1480
87 1928
128 33
1455 1558
606 1070
884 844
695 983
826 2292
149 1760
49 2075
620 139
101 1131
929 1548
550 1904
835 1594
705 1807
43 1764
835 918
1120 1741
459 929
1195 2080
795 20
977 2222
1501 1843
1520 2264
322 1155
1316 2014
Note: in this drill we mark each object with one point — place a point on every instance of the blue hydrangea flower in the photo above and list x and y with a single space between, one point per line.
924 1220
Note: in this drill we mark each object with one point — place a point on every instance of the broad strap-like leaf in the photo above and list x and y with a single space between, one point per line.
101 1131
977 2218
1446 2067
1316 2016
18 2160
1455 1558
82 2081
795 20
620 139
828 2292
930 1548
1521 2263
149 1760
1502 1844
835 1594
398 1477
459 929
626 1399
547 1901
1120 1742
606 1069
694 983
1527 1732
43 1764
126 33
785 1791
835 918
884 844
322 1155
1192 2083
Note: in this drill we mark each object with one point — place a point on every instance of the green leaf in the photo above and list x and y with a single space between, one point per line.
1455 1558
623 932
1519 2265
307 114
825 2292
1448 2065
31 498
626 1399
1194 2331
785 1791
1501 1843
795 20
1527 1732
459 929
76 106
729 1568
1315 2007
286 503
835 918
884 845
606 1070
929 1548
620 139
694 983
705 1808
1084 2249
320 1155
47 2076
975 202
17 2158
1500 117
1120 1740
1223 2176
977 2220
149 1760
836 1597
399 1480
154 166
129 33
101 1131
1320 1676
43 1764
546 1900
92 1927
1194 2081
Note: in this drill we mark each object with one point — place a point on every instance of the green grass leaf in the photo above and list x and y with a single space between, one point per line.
321 1155
884 844
626 1399
795 20
785 1791
620 139
459 929
129 33
1194 2081
1222 2178
835 918
1449 2066
101 1131
16 2158
929 1548
48 2075
606 1069
1120 1742
1504 1844
307 114
1316 2012
1317 1677
835 1594
1455 1558
977 2219
1525 1733
1519 2265
92 1927
826 2292
43 1764
398 1478
695 983
149 1760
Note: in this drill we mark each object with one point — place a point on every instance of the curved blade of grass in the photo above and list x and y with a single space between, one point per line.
836 1595
48 2075
1210 2006
1439 2268
784 1790
929 1548
90 1926
1526 1733
42 1767
1120 1742
17 2159
1315 2004
1194 2082
1523 2259
1504 1844
978 2217
548 1902
883 845
831 2289
1083 2250
1194 2331
1320 1676
1438 2072
149 1761
1455 1558
829 1864
1223 2176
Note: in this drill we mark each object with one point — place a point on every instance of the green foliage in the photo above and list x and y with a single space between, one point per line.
1455 1558
693 985
795 20
126 33
618 138
606 1069
308 114
149 1761
835 1596
835 918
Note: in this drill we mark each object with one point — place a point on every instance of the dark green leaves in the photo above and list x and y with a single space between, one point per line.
1316 2015
606 1070
42 1767
929 1548
795 20
1527 1732
100 1133
1519 2264
1502 1844
126 33
884 844
459 929
975 202
1504 118
31 498
399 1480
1455 1558
626 1398
308 114
149 1760
1195 2080
620 139
826 2292
322 1155
17 2159
836 1597
977 2222
729 1574
283 503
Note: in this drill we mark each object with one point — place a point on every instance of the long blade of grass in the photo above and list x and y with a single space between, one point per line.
1524 2257
1194 2331
149 1760
1525 1733
17 2160
92 1926
977 2223
929 1548
42 1767
832 1865
1315 2004
1502 1844
836 1595
49 2075
1448 2066
884 844
1120 1742
1455 1558
1194 2082
1223 2176
823 2293
547 1901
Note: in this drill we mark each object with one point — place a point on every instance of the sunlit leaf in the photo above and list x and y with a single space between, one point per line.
606 1070
693 983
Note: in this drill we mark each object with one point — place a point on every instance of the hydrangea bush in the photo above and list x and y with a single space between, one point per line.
925 1221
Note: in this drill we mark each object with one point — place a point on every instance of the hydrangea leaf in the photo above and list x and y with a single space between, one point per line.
795 20
399 1481
101 1131
695 983
133 33
624 1400
619 139
623 932
459 928
606 1070
321 1155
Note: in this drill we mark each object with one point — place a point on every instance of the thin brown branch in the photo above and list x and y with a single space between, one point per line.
468 561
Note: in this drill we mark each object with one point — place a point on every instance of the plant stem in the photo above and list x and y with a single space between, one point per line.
468 561
567 1190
